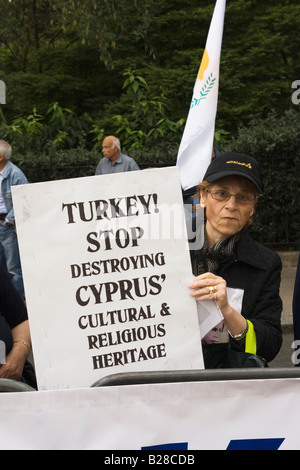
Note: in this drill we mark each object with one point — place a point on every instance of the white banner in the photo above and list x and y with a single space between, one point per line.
106 269
250 414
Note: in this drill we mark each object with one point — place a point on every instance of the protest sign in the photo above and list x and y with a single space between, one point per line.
106 271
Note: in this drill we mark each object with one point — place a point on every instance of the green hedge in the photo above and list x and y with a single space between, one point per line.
275 143
56 165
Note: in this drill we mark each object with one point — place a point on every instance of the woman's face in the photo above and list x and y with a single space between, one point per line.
226 218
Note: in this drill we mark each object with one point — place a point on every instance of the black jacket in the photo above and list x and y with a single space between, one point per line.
257 270
12 310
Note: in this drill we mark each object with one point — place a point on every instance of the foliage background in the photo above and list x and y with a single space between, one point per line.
76 71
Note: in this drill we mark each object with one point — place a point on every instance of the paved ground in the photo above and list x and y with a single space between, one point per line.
289 261
285 356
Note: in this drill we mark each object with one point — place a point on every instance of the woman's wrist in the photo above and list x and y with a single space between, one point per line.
24 343
241 335
236 324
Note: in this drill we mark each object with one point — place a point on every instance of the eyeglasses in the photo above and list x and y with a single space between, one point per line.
223 195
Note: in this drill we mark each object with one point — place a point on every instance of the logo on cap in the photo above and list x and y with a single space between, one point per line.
248 165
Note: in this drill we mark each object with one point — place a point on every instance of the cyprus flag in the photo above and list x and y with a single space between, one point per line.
196 146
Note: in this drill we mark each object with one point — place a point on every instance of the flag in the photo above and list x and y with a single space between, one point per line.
195 150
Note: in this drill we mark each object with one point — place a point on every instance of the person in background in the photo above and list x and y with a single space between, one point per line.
15 342
230 258
113 160
10 175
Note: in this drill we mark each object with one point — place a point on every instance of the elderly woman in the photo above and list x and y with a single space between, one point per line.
15 344
231 258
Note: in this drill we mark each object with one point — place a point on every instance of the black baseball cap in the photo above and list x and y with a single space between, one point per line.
233 163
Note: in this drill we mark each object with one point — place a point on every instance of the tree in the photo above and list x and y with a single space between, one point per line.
260 60
146 125
275 143
75 53
59 51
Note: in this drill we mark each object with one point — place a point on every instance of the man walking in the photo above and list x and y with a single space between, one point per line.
10 175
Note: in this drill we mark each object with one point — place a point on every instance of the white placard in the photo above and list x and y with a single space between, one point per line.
209 315
106 270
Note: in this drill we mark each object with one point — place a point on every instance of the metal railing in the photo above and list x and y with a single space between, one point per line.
173 376
203 375
8 385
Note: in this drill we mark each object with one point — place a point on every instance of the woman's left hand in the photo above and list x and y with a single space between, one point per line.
208 286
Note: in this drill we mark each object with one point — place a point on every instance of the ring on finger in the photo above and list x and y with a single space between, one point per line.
212 289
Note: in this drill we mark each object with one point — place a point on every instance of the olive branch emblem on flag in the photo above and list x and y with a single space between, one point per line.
195 150
205 90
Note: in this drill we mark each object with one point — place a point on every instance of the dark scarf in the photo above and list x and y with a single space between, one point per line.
208 260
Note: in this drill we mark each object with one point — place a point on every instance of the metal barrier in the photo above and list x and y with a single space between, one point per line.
8 385
203 375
